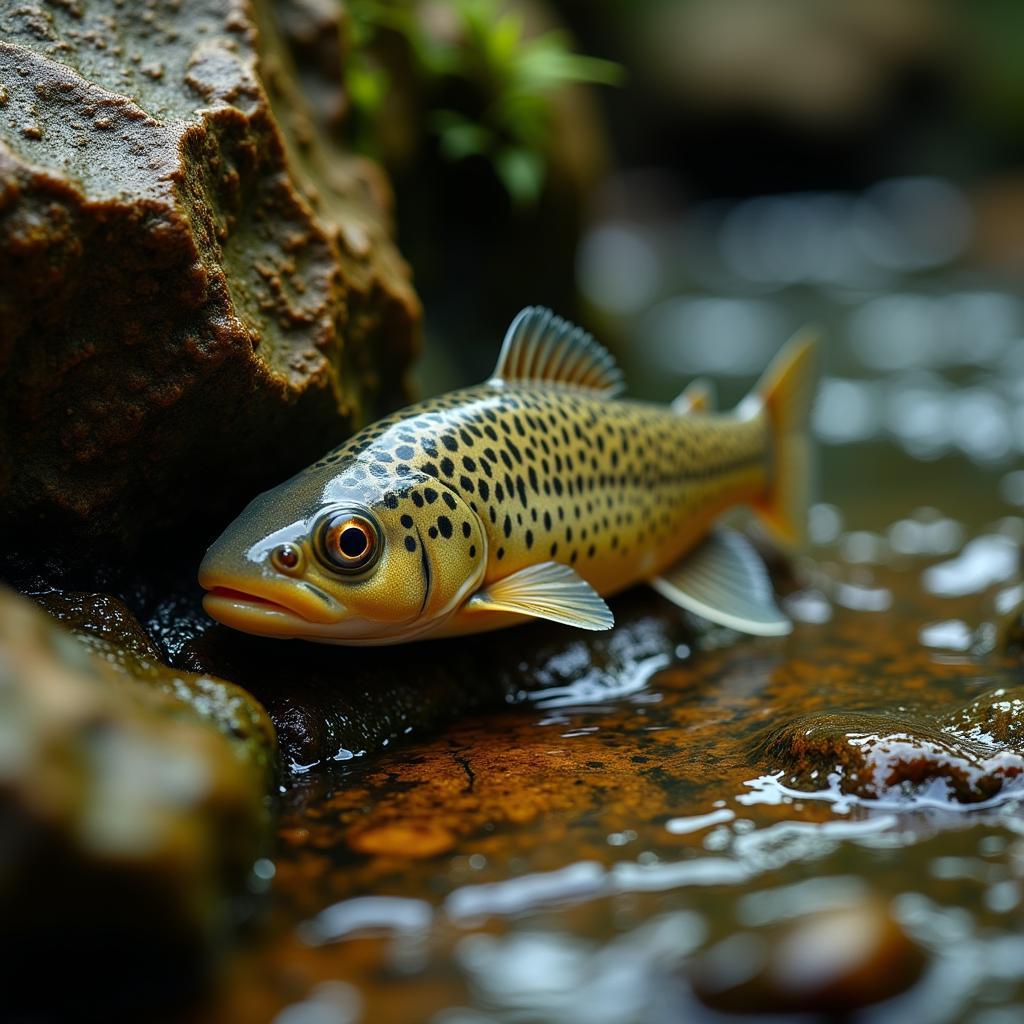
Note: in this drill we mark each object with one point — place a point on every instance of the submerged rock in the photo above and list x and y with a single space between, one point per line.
834 962
968 755
134 805
197 298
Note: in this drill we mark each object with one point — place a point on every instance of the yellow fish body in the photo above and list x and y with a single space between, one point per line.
534 495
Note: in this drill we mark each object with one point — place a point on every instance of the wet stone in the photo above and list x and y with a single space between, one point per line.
331 704
182 319
106 626
969 755
134 802
835 962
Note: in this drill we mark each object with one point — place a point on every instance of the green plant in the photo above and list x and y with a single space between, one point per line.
486 55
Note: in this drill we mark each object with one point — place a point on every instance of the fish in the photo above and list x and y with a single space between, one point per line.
535 495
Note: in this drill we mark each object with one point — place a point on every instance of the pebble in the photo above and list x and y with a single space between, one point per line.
831 962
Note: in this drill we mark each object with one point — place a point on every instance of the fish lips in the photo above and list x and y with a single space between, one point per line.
268 607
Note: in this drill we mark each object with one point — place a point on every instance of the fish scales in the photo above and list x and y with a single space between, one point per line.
617 489
533 495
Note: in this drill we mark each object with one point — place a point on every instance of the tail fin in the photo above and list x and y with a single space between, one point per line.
786 393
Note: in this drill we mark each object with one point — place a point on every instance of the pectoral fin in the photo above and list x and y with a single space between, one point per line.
725 581
545 591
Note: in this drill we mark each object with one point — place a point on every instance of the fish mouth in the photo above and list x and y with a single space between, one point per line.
228 595
252 613
265 612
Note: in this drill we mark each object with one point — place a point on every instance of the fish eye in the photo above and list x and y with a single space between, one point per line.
348 542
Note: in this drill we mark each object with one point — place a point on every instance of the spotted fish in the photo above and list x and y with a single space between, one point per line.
532 496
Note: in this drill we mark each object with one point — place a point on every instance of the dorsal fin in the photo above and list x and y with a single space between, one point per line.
541 347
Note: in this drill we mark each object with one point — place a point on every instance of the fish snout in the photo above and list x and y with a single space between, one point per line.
245 599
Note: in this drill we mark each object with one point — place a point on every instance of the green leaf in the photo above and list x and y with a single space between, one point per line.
366 86
460 137
546 62
521 172
504 39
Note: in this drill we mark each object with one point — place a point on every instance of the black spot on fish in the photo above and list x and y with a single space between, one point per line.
466 530
500 554
449 442
466 484
521 489
529 538
447 466
444 524
407 522
391 499
403 451
472 551
468 464
410 544
507 527
432 532
417 499
484 489
449 500
430 494
431 470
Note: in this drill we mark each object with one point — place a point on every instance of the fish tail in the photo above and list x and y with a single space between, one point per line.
786 394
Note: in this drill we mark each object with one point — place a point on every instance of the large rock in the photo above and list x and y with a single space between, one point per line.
196 297
133 803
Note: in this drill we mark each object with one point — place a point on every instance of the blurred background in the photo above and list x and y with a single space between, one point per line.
712 175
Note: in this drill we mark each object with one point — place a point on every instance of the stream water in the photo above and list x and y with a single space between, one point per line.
828 822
